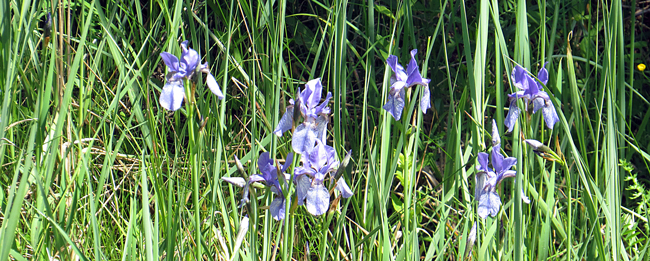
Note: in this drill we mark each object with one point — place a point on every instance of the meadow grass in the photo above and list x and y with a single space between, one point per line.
93 167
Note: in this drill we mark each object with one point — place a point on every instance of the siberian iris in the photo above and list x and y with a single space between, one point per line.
310 190
487 178
403 79
315 117
530 91
172 94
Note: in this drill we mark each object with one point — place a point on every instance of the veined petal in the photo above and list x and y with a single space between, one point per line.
304 138
343 187
285 123
503 175
513 114
303 183
321 128
322 108
489 204
425 100
278 208
395 105
318 200
316 89
214 86
550 116
171 96
170 60
496 158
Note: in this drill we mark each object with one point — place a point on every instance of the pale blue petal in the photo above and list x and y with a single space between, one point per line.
316 89
343 187
550 116
482 161
237 181
542 75
214 86
513 114
171 96
285 123
278 207
395 105
318 200
425 100
304 138
303 183
489 204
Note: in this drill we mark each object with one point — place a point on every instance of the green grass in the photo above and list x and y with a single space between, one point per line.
92 167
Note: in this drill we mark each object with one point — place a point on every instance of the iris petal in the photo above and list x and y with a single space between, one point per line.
318 200
171 96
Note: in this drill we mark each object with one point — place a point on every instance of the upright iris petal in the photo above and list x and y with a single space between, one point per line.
405 79
531 92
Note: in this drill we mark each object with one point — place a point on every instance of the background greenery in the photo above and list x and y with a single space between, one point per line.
93 168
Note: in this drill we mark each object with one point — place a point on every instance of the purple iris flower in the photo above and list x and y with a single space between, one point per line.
269 175
530 91
310 190
315 117
403 79
172 94
487 178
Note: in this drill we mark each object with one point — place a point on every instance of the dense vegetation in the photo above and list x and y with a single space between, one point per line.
112 149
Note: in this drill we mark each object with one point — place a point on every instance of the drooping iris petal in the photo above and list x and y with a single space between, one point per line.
170 60
489 204
343 187
277 208
550 116
395 104
303 183
171 96
425 100
400 74
513 114
304 138
214 86
285 123
318 200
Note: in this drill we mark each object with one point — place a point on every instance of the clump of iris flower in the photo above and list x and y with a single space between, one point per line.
487 178
310 190
269 176
172 94
315 117
403 79
530 91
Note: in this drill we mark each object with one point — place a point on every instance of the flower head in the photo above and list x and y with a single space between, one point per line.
172 94
315 117
317 164
488 178
403 79
269 175
531 92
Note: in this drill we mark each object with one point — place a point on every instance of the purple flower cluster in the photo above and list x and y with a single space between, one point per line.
172 94
530 92
488 178
403 79
318 159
